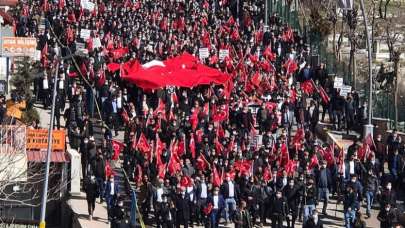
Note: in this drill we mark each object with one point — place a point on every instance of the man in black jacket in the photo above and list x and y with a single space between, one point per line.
324 183
181 202
99 172
278 210
291 193
371 188
310 199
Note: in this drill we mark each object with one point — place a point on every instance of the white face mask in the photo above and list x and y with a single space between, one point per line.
389 187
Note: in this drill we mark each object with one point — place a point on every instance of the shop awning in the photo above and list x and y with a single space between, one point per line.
40 156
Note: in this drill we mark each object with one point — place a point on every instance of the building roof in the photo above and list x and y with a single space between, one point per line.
40 156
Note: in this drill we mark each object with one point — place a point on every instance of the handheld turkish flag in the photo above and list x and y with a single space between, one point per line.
307 87
314 162
269 54
324 95
192 146
174 165
139 174
185 181
216 178
143 145
291 167
194 119
299 135
267 174
369 141
291 66
117 147
202 163
44 54
208 209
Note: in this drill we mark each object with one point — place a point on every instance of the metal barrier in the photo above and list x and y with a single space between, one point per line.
131 189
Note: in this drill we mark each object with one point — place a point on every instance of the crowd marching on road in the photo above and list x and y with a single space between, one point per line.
242 150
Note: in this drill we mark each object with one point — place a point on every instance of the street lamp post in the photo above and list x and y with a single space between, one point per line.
49 150
368 128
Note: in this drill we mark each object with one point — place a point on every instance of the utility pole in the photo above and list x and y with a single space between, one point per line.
49 150
368 128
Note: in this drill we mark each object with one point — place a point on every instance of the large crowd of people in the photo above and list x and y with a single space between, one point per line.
245 152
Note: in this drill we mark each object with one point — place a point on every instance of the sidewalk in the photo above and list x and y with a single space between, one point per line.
78 205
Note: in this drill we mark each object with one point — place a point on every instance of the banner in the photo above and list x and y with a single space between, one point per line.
19 46
338 83
345 4
86 4
97 43
203 53
85 33
37 139
223 53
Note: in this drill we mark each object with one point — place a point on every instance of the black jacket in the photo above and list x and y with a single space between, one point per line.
183 208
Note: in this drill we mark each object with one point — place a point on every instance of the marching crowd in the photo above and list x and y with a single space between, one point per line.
245 152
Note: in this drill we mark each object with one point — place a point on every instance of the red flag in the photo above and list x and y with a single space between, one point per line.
44 55
231 21
108 170
291 167
194 119
216 178
174 98
307 87
174 165
143 145
161 108
206 109
267 174
314 162
45 6
180 147
124 115
208 209
235 35
161 170
256 79
192 146
285 156
267 53
117 147
120 52
341 161
328 155
324 95
199 134
291 66
369 141
213 59
185 181
113 67
159 149
244 167
299 135
61 4
139 174
218 146
202 163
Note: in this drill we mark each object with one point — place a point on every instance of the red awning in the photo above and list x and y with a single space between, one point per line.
40 156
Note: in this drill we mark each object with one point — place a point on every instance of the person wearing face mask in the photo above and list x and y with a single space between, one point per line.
242 217
374 164
371 188
310 198
388 196
349 205
202 196
394 165
166 213
91 195
352 167
230 191
218 204
324 183
291 192
182 208
357 188
111 194
279 210
387 216
313 221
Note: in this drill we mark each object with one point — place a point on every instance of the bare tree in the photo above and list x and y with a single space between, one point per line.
21 179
